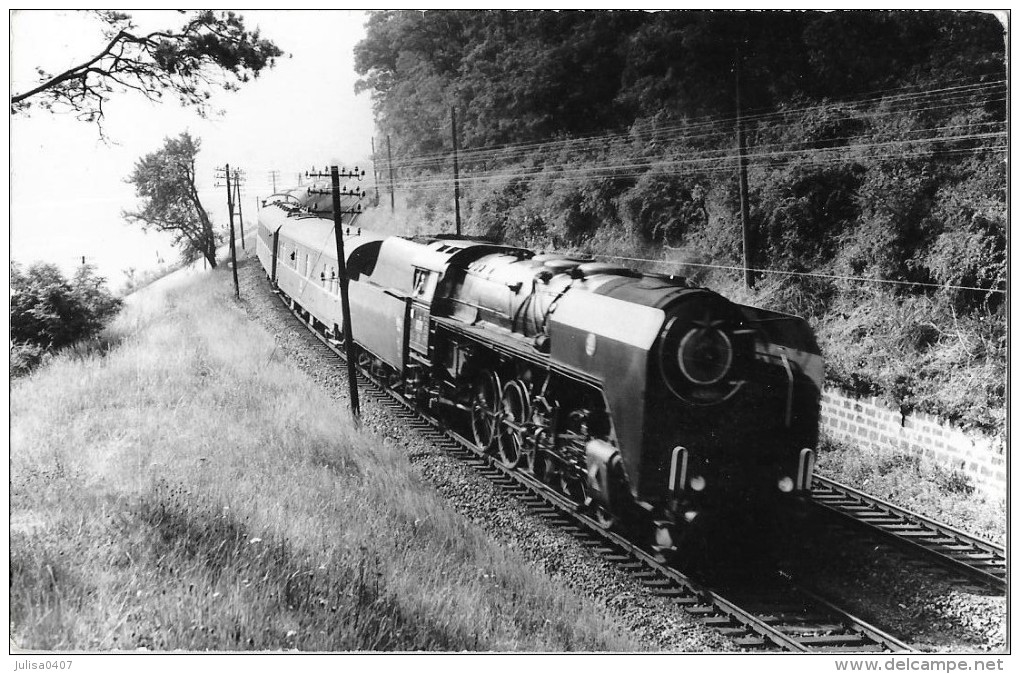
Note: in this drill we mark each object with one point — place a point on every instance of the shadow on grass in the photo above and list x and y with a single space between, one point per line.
276 596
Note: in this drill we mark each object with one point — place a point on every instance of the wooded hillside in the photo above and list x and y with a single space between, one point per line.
876 154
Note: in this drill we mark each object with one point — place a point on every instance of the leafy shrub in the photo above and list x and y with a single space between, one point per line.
581 206
25 357
49 311
971 250
918 354
492 209
801 213
663 206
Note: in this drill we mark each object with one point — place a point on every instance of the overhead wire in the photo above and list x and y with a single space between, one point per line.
444 184
685 128
713 156
725 134
723 162
466 159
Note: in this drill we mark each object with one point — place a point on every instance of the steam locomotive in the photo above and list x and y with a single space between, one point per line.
651 402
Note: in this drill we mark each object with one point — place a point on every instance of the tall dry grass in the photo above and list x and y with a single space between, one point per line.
191 489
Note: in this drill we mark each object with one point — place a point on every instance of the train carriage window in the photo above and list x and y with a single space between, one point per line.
424 284
361 261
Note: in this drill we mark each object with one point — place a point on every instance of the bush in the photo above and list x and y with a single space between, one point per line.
916 353
49 311
25 358
664 206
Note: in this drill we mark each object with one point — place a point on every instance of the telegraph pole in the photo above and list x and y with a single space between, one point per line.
272 175
389 161
230 211
345 305
375 173
238 179
742 164
456 171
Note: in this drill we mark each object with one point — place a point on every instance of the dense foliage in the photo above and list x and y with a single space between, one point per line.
876 164
50 311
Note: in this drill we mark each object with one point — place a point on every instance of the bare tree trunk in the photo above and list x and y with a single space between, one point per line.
210 255
208 242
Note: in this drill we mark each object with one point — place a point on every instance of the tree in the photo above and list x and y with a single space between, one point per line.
49 311
210 48
165 181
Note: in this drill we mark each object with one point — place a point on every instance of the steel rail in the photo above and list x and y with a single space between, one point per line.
957 550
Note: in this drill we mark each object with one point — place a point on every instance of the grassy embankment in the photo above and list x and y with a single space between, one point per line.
189 490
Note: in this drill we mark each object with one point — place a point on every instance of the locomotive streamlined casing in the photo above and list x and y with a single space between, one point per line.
610 340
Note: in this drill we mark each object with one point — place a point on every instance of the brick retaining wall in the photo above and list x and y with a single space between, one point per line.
980 457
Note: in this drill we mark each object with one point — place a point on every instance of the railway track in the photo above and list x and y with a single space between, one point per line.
948 547
769 615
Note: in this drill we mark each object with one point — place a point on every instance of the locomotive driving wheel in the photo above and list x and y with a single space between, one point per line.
572 486
535 461
607 510
486 400
516 412
547 468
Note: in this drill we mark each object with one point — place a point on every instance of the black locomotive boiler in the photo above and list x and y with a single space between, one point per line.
650 401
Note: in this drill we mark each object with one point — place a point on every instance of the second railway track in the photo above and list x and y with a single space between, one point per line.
941 544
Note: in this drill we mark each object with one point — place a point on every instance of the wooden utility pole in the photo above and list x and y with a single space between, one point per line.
233 248
272 175
456 170
389 161
345 304
742 170
375 173
237 200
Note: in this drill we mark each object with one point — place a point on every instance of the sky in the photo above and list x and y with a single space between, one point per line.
67 187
